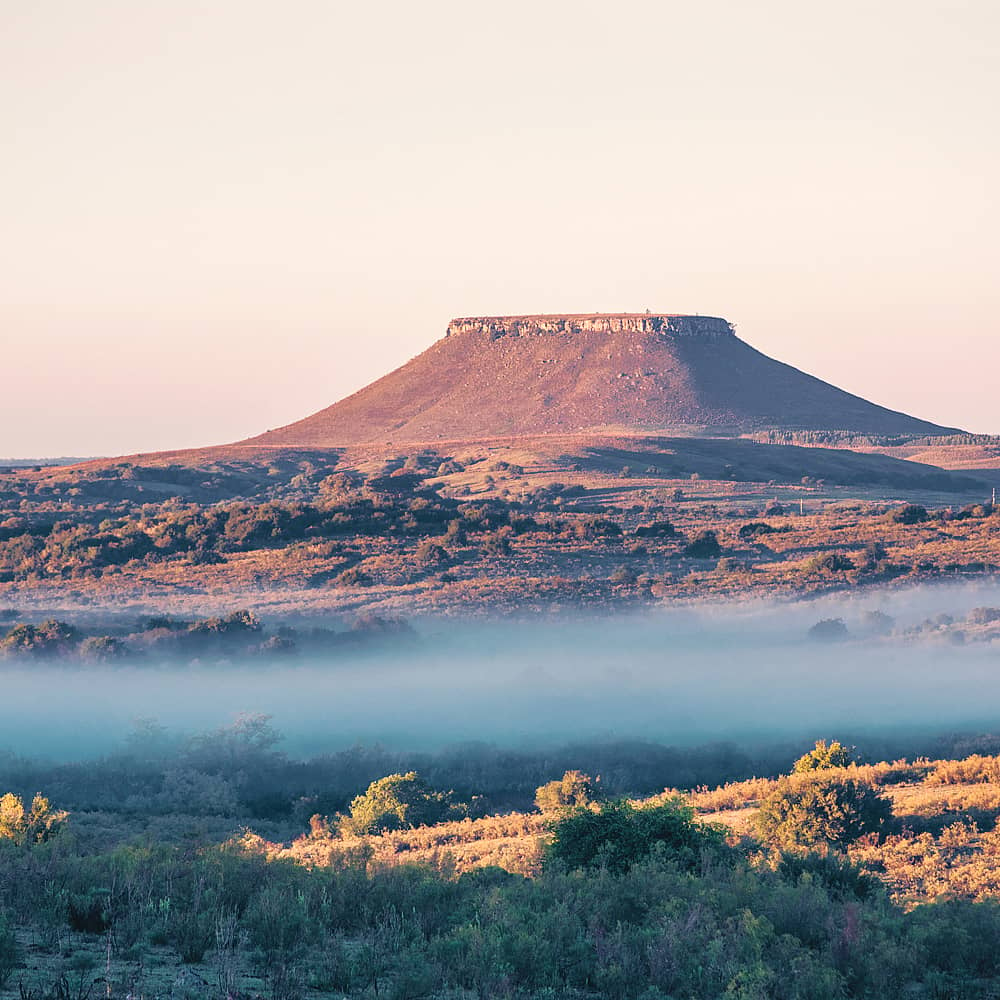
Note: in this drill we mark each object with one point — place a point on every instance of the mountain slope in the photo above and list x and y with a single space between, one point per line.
591 373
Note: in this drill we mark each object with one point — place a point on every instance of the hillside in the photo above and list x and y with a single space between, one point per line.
529 375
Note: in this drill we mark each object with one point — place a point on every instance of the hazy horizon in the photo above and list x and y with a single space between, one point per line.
221 218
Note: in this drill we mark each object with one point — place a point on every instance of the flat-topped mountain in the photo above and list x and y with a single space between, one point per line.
595 373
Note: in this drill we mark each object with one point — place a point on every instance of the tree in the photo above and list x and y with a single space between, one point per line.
829 630
245 748
103 648
816 810
51 638
573 789
395 802
822 757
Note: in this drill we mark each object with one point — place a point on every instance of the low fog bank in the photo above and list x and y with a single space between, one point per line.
738 672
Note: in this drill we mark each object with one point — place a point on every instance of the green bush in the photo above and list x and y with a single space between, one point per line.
839 876
813 810
615 835
395 802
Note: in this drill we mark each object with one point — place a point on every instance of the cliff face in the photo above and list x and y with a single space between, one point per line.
646 324
500 376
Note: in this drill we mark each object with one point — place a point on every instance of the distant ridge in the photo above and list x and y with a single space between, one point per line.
592 373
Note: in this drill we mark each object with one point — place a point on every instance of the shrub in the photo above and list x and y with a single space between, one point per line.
910 513
658 529
615 835
878 622
573 789
704 545
25 827
875 553
89 914
395 802
841 878
822 757
810 810
496 543
430 553
829 562
754 528
829 630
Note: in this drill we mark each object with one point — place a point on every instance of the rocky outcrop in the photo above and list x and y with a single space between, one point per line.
655 324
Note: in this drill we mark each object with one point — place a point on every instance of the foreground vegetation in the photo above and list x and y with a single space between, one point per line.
667 896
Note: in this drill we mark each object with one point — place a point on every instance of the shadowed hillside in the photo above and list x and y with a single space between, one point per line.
610 372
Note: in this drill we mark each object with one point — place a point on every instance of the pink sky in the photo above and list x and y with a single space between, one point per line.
220 217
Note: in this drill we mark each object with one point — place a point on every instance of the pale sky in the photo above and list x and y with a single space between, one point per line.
217 217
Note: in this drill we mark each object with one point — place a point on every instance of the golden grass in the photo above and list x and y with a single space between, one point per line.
948 846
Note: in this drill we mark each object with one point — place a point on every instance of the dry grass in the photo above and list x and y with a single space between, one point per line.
948 846
513 842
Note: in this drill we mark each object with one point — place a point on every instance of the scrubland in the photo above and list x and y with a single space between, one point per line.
473 532
680 893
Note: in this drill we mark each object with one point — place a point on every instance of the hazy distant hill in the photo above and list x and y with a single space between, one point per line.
28 463
516 375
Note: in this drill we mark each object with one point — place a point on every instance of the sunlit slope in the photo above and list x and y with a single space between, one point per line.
570 378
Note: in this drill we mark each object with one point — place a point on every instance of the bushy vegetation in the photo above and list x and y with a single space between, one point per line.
33 825
617 835
633 902
443 530
809 810
705 545
573 789
823 757
393 802
829 630
219 637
